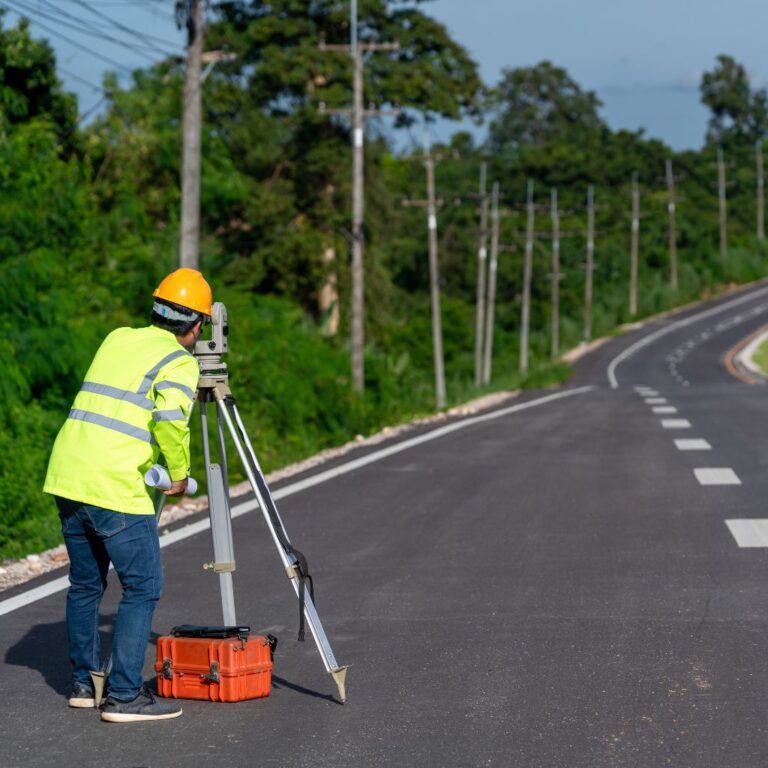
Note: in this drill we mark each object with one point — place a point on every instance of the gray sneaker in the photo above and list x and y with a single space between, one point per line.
81 697
143 707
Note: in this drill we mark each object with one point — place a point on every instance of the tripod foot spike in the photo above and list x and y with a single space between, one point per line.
339 677
99 679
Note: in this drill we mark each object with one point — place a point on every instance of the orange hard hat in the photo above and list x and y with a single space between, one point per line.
187 288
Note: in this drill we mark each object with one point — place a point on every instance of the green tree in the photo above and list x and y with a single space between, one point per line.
266 104
541 105
739 115
29 86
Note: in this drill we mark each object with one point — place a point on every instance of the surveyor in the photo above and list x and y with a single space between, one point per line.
134 404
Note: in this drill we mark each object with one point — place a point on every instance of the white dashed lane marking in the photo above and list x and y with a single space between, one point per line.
716 476
749 533
693 444
675 423
664 409
655 400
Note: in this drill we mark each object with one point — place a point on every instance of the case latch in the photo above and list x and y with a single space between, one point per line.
213 675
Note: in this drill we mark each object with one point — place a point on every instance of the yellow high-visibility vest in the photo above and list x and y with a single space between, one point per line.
133 405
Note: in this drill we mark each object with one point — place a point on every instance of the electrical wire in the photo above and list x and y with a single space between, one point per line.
113 3
90 111
89 29
75 76
134 33
7 5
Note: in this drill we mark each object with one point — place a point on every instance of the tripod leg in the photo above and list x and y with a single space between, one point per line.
223 551
275 526
221 525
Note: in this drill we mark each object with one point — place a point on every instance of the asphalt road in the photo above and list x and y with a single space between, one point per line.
550 586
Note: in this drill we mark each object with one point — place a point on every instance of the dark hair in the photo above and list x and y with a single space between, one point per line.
179 320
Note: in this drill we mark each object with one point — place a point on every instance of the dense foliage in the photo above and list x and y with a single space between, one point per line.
89 223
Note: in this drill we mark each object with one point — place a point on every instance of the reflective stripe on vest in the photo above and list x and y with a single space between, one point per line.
146 384
175 414
113 424
175 385
118 394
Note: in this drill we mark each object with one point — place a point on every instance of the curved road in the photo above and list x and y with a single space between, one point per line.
562 582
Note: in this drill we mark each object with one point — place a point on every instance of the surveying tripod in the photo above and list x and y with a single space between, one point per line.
214 388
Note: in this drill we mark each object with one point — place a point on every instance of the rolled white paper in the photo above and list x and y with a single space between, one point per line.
158 477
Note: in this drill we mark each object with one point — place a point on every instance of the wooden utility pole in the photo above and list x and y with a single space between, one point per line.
482 258
671 206
590 267
555 276
723 205
760 191
191 139
492 270
357 50
434 277
635 246
525 321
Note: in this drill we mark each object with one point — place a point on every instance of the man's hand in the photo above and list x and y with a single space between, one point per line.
177 487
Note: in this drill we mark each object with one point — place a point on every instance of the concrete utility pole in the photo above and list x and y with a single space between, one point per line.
191 139
635 247
482 258
590 267
358 210
555 276
723 206
434 277
431 204
492 270
672 228
527 273
357 50
760 191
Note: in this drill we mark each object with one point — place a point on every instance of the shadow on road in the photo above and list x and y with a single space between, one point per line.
44 648
279 682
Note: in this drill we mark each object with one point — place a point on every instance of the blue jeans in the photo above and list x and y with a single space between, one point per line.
95 537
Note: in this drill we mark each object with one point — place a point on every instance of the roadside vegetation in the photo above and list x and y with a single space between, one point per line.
89 224
760 358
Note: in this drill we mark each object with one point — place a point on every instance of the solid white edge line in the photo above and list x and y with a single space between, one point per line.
38 593
640 343
45 590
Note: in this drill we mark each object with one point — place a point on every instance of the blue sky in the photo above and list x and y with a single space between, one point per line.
644 60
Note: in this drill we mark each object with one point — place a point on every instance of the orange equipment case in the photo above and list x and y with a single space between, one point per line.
201 665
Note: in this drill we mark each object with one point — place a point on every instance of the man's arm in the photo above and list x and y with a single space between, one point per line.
174 392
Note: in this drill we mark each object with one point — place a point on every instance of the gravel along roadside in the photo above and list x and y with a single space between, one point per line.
14 572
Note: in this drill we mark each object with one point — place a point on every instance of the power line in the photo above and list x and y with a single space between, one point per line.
75 76
122 27
90 111
92 32
7 5
116 3
89 29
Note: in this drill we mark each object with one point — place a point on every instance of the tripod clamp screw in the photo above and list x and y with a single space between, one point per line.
291 571
225 567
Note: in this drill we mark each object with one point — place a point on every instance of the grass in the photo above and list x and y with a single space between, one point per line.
760 357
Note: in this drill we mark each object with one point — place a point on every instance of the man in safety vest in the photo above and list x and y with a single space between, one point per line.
134 405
